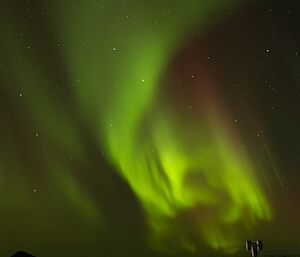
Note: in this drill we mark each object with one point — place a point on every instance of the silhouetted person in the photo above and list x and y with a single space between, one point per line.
22 254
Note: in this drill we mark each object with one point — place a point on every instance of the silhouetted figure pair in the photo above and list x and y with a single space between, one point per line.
22 254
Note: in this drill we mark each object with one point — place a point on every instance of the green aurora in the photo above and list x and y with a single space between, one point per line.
115 57
157 164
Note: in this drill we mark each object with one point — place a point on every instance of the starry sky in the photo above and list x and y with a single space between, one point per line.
149 128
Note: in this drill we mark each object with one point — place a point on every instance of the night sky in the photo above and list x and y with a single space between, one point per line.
149 128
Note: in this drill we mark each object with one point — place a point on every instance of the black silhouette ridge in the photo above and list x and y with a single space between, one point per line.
22 254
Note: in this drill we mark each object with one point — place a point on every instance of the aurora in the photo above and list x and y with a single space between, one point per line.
148 128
